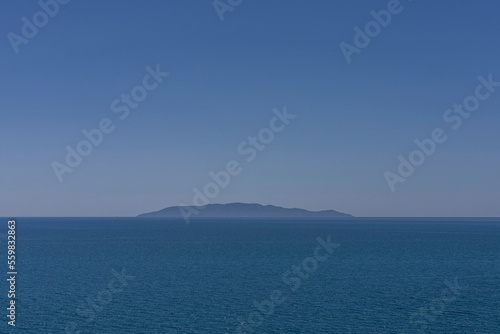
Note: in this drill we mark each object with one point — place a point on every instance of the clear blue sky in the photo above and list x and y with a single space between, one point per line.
353 122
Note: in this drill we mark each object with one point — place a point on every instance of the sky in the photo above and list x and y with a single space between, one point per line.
227 80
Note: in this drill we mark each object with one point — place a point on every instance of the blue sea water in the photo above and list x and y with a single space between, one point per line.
131 275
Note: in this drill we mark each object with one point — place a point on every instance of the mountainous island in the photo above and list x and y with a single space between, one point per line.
245 210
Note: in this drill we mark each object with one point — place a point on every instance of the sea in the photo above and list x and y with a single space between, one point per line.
153 275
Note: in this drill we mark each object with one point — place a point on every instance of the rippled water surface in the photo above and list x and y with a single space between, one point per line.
261 276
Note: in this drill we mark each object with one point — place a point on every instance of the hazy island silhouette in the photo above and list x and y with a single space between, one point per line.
245 210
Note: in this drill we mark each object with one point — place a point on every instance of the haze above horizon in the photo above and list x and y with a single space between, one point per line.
227 81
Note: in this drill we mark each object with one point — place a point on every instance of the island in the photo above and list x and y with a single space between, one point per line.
244 210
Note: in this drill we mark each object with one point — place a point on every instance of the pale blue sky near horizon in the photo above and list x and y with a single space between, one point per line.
353 120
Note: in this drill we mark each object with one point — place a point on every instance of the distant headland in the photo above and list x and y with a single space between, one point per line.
245 210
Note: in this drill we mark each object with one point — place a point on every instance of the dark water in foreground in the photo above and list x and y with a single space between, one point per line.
213 276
